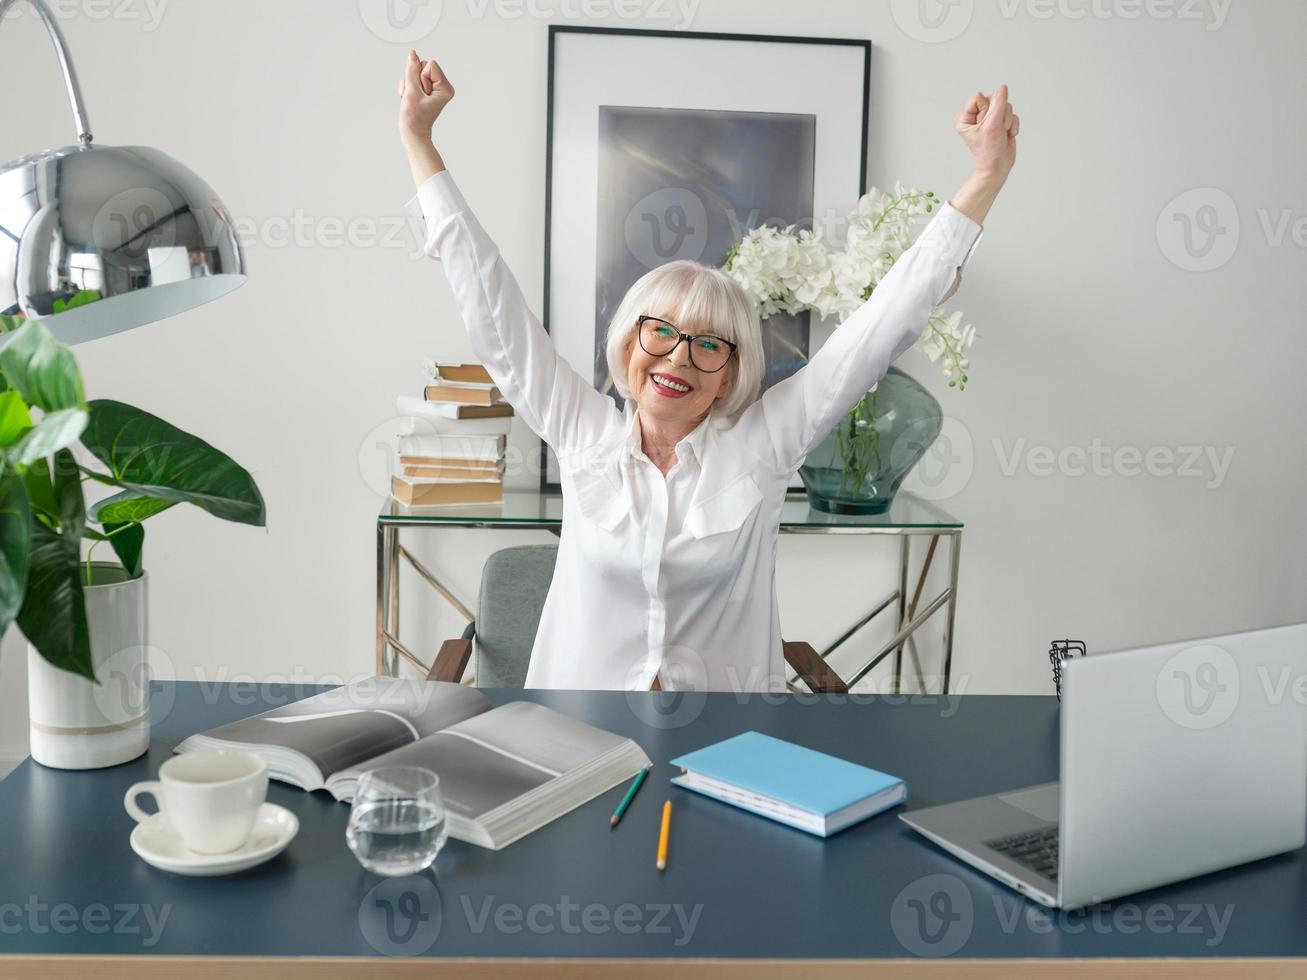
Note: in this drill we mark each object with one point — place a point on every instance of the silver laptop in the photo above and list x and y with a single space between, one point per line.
1176 760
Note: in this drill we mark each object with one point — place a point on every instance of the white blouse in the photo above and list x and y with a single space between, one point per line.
673 576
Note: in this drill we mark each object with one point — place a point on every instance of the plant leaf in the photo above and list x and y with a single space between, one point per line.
42 369
8 325
127 544
125 507
15 419
15 540
53 614
156 459
40 490
56 431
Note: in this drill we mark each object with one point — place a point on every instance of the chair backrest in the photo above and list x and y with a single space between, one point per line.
514 584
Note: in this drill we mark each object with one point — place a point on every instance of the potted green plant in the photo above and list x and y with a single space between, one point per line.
85 621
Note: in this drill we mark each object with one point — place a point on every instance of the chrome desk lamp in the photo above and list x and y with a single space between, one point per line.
99 239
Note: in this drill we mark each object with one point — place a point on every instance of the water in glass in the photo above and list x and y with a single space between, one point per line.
397 822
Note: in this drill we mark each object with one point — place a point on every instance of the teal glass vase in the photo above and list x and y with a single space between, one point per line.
860 465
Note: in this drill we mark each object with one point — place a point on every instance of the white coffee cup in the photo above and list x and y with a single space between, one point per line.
210 797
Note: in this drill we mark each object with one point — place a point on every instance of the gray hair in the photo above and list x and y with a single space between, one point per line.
699 299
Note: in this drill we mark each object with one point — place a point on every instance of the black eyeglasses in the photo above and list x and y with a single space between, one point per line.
659 338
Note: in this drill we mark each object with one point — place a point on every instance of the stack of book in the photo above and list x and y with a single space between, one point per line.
462 391
453 441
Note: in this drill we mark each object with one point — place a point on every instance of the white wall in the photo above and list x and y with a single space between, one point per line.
1088 331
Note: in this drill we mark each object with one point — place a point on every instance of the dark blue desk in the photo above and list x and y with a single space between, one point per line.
738 886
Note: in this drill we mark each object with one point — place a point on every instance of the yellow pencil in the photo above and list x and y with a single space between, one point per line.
662 835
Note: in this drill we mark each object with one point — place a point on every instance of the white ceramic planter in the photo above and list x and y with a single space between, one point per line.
79 725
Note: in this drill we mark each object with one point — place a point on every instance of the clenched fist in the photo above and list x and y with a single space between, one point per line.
423 94
989 127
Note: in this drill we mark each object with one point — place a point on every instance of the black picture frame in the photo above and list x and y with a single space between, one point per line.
861 45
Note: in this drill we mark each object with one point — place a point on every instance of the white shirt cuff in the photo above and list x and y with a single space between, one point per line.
437 200
956 236
960 234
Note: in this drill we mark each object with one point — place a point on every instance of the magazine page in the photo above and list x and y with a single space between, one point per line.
496 757
538 736
349 725
474 779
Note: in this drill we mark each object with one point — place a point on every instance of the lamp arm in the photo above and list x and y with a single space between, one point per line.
65 63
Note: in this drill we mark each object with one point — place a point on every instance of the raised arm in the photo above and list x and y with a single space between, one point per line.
797 413
559 405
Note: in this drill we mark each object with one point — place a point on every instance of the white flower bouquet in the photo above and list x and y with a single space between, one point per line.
788 271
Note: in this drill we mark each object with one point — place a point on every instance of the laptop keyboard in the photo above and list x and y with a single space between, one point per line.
1036 850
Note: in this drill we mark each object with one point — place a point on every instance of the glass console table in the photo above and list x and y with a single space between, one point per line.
908 517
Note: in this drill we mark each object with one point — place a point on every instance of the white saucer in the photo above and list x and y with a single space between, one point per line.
157 844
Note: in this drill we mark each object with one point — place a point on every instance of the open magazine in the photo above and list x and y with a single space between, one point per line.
504 771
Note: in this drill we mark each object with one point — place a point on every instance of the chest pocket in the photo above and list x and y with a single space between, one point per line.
598 500
726 510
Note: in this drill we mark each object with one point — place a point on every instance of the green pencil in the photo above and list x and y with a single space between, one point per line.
626 800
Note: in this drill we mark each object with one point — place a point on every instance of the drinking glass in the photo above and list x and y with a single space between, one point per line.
397 821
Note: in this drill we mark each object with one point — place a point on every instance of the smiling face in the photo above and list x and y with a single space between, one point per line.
673 407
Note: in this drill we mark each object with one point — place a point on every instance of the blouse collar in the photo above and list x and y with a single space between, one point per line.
632 441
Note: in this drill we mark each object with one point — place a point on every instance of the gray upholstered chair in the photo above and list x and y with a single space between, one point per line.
514 584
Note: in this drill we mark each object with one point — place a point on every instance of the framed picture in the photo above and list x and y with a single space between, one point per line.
665 145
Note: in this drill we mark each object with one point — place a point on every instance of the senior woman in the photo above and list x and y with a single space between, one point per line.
665 574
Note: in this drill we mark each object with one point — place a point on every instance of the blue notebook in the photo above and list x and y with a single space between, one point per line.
788 783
